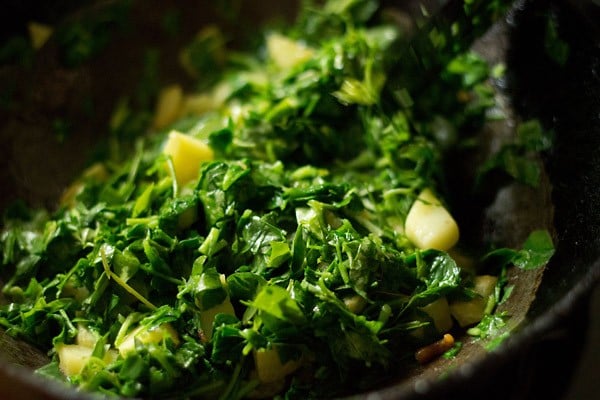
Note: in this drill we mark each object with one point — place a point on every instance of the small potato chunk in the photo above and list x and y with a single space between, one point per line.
187 218
168 107
199 104
355 303
79 293
439 312
464 261
39 34
269 366
187 154
73 357
85 337
147 336
469 312
207 317
429 225
96 172
287 53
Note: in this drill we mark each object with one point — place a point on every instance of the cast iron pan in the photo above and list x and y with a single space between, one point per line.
538 357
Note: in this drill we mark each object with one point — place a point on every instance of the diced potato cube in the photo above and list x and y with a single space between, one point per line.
439 312
147 336
95 172
199 104
111 356
85 337
269 366
168 107
287 53
485 284
187 153
470 312
355 303
70 289
464 261
39 34
72 358
429 225
67 198
207 317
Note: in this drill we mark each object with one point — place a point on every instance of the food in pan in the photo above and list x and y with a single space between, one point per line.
282 231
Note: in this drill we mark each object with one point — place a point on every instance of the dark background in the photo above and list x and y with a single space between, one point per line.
585 383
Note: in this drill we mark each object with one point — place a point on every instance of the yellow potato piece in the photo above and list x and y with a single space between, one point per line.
355 303
85 337
168 107
464 261
198 104
429 225
39 34
147 336
269 366
187 218
95 172
79 293
207 317
287 53
187 153
470 312
72 358
439 312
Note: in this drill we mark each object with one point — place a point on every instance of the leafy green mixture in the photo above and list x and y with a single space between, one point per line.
283 267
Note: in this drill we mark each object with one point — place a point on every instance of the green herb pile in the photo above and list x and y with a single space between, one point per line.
297 223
